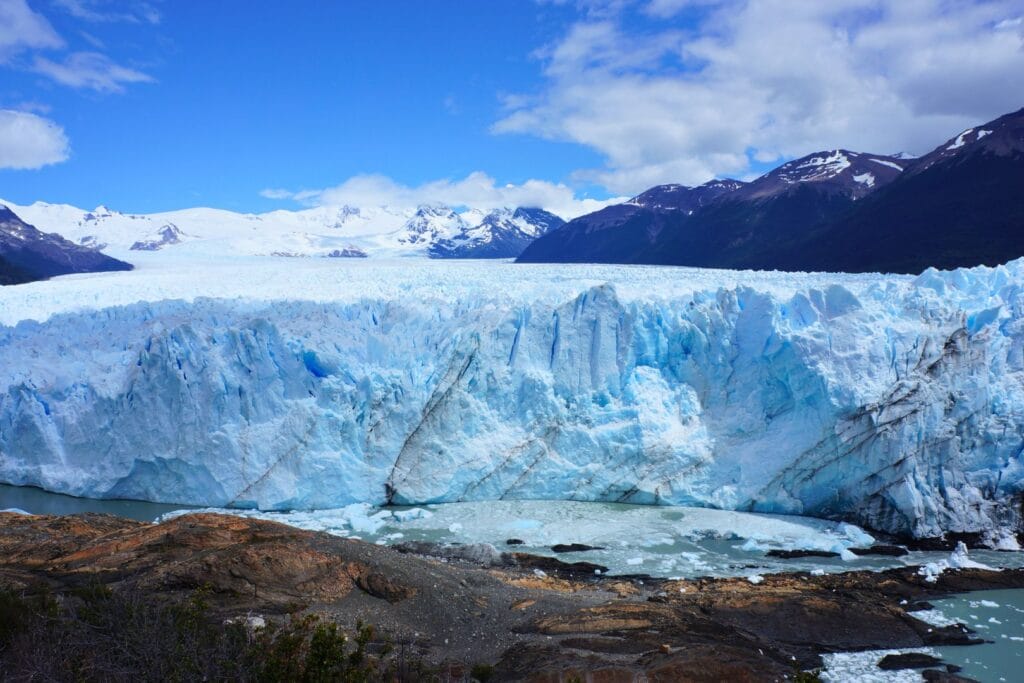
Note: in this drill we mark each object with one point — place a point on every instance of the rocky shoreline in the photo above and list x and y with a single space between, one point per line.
523 617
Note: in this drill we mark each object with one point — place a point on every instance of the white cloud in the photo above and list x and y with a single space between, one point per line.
770 78
477 190
276 193
30 141
21 28
664 9
98 11
90 70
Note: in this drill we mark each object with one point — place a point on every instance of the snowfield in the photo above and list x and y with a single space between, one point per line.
327 231
890 401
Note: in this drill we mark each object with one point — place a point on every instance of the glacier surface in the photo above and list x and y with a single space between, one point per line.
893 402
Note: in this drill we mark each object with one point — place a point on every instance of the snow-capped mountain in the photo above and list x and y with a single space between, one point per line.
167 235
1002 137
840 171
502 233
960 205
622 228
322 231
723 223
430 224
683 198
27 254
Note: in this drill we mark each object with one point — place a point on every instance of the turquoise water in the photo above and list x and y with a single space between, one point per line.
40 502
997 616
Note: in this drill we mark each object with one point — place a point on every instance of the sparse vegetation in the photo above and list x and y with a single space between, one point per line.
96 634
481 672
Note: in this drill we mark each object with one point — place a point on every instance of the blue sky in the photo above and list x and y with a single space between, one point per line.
253 106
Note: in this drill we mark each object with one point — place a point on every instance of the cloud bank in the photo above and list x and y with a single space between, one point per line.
477 190
745 81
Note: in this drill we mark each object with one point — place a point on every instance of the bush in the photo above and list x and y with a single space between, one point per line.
96 634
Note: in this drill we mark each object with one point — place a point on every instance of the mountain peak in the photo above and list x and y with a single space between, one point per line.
1002 136
839 171
673 197
502 233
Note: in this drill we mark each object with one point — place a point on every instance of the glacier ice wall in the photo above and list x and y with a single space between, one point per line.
899 405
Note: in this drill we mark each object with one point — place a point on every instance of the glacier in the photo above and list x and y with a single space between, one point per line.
893 402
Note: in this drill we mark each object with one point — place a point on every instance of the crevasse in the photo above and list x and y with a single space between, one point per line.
897 404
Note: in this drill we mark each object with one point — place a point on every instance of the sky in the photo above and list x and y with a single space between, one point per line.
564 104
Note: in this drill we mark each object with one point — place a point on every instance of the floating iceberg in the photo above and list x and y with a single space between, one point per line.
893 402
958 559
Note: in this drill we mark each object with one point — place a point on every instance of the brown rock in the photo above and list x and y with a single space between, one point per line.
530 626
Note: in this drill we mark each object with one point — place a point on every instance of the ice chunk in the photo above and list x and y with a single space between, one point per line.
932 570
841 667
934 617
958 559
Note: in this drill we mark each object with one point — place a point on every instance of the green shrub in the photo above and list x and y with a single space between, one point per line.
95 634
481 672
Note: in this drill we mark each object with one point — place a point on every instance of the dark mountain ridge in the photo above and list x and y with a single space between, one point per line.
27 254
960 205
624 228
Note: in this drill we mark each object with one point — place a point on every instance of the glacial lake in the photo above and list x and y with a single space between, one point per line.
996 616
39 502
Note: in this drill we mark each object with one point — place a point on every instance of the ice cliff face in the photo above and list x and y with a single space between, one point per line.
893 402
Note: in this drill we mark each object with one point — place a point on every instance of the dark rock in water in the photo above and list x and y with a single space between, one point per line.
908 660
554 565
515 541
886 550
937 676
947 542
796 554
956 634
574 547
